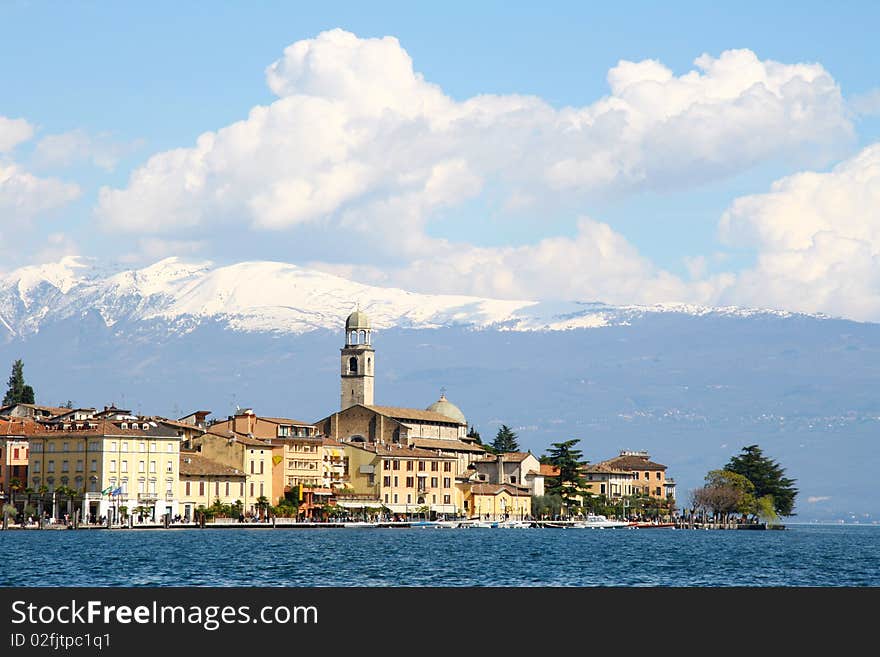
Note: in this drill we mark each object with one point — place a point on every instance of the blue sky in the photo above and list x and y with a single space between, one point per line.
579 192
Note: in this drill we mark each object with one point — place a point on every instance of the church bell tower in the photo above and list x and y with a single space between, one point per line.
358 362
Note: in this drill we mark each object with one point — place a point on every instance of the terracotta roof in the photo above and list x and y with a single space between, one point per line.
284 440
413 414
495 489
101 428
549 470
331 442
193 463
508 457
285 420
604 468
397 451
242 438
174 423
627 462
20 426
451 445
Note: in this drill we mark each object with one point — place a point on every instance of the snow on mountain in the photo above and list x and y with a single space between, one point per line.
275 297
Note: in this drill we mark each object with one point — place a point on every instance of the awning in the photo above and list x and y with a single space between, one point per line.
359 504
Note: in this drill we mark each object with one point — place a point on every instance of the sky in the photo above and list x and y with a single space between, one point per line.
630 153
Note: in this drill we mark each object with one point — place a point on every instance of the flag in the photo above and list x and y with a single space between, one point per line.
107 490
117 491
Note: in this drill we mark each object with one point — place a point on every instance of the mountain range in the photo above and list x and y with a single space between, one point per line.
691 385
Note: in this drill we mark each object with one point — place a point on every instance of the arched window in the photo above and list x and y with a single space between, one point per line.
353 364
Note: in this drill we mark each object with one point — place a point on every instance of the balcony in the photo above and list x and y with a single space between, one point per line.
147 497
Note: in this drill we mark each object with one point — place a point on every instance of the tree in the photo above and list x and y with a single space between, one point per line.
474 435
567 484
18 391
768 478
505 440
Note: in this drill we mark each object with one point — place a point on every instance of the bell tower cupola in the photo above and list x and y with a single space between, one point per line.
358 361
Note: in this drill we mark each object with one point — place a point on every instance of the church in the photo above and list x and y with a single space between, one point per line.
441 427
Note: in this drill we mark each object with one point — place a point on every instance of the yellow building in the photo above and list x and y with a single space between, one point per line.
402 479
335 464
136 461
260 460
496 501
204 481
642 476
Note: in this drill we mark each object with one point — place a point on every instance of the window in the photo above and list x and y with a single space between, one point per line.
386 481
79 465
241 489
433 499
637 475
112 465
124 445
447 467
447 482
37 447
153 467
395 498
396 464
647 476
14 453
408 498
169 466
187 489
409 465
252 467
386 498
170 448
252 489
141 488
435 466
261 489
217 488
65 447
657 491
125 466
152 486
433 482
386 464
395 482
143 447
658 475
227 489
64 466
141 465
421 466
36 466
51 447
409 482
112 445
261 467
93 446
201 488
169 488
447 499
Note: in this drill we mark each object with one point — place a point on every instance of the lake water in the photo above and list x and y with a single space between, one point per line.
801 555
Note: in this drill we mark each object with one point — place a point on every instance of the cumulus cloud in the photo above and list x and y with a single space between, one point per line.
23 195
68 148
356 127
817 237
13 132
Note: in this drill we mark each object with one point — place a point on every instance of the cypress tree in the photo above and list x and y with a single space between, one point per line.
18 392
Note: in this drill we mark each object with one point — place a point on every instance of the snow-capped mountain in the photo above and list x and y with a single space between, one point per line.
273 296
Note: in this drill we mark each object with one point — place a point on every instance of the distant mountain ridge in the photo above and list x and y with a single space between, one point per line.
271 296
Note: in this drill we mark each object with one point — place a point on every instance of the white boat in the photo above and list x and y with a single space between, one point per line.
514 524
598 522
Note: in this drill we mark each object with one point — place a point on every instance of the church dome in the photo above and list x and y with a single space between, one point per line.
357 320
445 407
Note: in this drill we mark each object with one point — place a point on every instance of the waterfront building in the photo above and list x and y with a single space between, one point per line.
204 481
261 461
335 464
110 464
647 477
605 479
404 480
496 501
14 447
517 468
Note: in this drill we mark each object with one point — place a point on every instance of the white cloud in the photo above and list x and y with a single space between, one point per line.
23 195
68 148
13 132
817 237
818 498
866 104
357 128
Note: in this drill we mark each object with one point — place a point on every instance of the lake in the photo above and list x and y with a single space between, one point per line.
801 555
